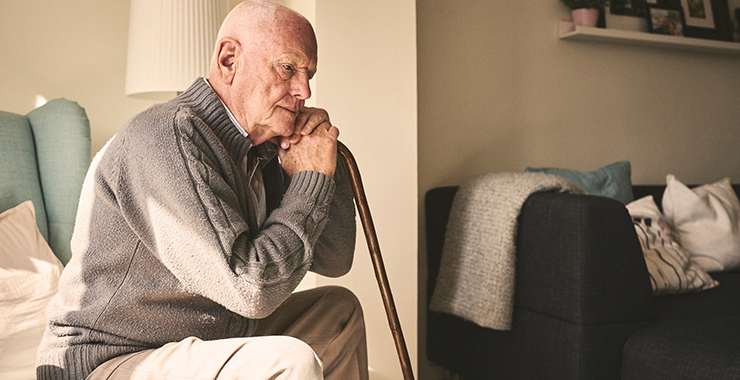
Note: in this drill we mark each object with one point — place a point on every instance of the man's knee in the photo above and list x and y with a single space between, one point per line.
343 299
300 357
288 357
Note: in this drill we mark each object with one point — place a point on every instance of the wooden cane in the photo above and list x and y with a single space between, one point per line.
372 244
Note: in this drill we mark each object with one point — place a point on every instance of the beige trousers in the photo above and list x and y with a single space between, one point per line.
315 334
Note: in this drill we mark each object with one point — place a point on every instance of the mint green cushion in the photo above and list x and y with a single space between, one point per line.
43 158
62 134
612 181
19 178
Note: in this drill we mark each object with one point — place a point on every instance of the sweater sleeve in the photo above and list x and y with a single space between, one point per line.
182 195
335 247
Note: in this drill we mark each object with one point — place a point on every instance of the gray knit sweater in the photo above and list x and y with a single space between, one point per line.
166 244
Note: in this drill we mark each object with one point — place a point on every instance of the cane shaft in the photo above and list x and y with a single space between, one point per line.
380 274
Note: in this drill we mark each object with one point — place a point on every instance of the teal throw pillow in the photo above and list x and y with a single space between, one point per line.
612 181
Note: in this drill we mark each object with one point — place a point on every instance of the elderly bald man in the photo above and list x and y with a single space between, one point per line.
201 216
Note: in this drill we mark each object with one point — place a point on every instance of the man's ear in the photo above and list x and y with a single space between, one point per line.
227 54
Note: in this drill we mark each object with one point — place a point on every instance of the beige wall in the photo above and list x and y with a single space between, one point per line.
367 80
74 49
498 91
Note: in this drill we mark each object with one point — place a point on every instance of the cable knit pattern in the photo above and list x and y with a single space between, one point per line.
166 246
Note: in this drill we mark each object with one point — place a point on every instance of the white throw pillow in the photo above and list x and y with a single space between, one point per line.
29 274
707 222
671 269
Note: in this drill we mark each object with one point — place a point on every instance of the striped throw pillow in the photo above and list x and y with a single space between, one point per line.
671 268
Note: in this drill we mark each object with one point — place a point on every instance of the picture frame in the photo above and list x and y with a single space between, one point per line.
633 8
666 20
709 19
628 14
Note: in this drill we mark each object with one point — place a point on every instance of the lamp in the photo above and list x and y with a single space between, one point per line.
170 43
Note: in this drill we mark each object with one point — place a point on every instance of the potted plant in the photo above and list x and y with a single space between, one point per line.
585 12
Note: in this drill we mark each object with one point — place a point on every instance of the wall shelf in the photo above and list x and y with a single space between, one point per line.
584 33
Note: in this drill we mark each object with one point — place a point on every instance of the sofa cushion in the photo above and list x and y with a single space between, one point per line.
671 268
19 179
693 349
707 222
29 274
696 336
611 181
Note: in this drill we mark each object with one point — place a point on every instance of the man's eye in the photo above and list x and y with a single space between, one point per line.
286 71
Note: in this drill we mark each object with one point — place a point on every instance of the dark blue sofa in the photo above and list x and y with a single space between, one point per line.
584 307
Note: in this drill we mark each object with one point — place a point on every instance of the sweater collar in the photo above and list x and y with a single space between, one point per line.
228 112
208 107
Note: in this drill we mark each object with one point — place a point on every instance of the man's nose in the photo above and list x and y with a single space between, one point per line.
300 88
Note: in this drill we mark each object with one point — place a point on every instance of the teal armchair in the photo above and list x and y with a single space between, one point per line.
44 156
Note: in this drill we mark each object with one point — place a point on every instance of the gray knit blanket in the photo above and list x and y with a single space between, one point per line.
476 276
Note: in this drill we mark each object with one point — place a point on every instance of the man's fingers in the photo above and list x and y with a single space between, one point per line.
316 151
314 120
286 141
295 138
309 118
334 132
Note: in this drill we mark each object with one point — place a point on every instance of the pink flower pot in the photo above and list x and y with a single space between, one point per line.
585 16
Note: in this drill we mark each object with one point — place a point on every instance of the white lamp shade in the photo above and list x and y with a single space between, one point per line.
170 43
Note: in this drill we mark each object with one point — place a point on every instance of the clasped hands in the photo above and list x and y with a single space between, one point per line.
313 144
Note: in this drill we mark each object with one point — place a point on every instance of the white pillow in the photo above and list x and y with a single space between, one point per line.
671 269
707 222
29 274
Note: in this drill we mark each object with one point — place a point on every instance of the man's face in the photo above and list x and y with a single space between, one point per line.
272 82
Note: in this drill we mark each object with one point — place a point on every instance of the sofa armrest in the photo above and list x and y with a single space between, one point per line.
582 289
579 260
